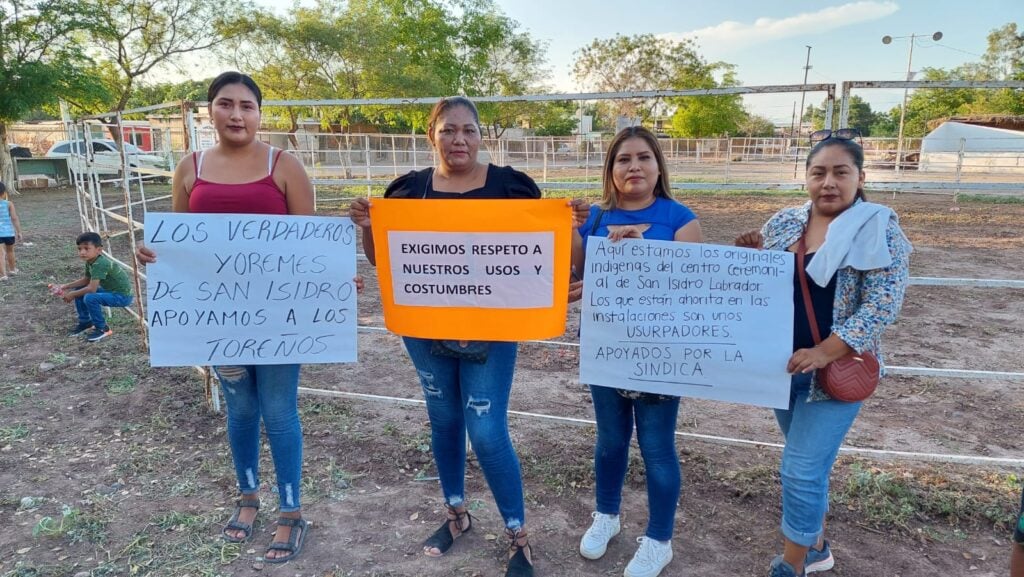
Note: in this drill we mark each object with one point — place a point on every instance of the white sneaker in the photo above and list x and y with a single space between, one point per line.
650 558
595 541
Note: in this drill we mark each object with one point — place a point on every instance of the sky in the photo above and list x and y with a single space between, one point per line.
767 40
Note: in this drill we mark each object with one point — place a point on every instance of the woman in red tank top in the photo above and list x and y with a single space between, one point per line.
240 174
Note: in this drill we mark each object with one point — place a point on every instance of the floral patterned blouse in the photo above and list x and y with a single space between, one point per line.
866 301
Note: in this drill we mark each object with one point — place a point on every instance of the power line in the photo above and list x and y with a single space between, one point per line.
953 49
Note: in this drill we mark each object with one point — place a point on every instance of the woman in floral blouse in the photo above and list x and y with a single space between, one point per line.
857 268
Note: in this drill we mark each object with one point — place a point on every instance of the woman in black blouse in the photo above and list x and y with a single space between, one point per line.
466 386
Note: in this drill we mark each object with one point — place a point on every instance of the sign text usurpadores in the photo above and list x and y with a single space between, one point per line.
684 319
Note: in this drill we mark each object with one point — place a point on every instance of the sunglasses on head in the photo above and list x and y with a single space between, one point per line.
840 134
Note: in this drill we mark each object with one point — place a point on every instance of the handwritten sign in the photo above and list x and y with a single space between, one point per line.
231 289
683 319
473 269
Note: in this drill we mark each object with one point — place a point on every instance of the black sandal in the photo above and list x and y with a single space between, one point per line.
294 544
235 525
442 539
518 564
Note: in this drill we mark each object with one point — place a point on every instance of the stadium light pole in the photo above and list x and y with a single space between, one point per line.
903 109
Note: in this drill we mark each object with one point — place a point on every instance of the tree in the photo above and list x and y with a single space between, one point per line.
161 92
555 118
1005 54
860 116
639 63
707 116
496 58
1003 60
137 36
390 48
40 61
756 125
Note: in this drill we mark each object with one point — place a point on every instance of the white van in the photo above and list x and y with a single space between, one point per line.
107 156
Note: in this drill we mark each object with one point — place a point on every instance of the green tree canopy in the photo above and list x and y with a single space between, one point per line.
390 48
134 37
41 60
646 62
1003 60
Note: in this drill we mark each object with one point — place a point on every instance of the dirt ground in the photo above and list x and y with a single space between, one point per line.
110 467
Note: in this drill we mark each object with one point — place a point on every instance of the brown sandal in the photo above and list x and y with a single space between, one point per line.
518 564
443 538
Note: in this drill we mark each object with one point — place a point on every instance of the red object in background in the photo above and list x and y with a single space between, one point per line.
141 136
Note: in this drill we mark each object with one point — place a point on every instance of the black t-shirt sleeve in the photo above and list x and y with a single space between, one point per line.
518 184
403 187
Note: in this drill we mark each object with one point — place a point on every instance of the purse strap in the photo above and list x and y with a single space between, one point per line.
801 251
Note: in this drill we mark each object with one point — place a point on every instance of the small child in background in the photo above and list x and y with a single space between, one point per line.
104 284
10 232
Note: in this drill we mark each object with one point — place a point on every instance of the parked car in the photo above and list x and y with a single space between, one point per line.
18 151
107 156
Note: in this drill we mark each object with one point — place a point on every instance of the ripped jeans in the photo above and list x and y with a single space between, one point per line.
464 396
270 392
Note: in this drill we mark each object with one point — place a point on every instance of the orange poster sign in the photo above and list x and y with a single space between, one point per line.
493 270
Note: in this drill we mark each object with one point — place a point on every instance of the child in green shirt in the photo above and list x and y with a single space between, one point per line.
104 284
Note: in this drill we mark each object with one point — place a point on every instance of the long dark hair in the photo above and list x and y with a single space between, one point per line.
609 196
232 77
855 151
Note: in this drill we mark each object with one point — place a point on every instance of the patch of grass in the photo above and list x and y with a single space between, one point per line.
340 480
15 433
143 460
121 385
185 487
181 522
893 499
58 358
752 481
11 394
562 474
74 524
990 199
22 569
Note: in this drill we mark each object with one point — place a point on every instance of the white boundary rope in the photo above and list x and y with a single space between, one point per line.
876 453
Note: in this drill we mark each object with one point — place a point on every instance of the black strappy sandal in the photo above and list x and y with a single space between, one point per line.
235 525
296 537
518 564
442 539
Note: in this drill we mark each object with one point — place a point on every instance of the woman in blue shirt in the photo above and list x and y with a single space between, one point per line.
636 203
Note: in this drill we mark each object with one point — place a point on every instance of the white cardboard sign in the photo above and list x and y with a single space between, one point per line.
239 289
684 319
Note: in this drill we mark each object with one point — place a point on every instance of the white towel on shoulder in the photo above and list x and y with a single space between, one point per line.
856 238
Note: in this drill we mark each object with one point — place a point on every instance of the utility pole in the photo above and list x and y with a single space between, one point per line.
910 76
800 119
792 123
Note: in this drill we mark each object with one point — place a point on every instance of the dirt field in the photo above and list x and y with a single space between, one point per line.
109 467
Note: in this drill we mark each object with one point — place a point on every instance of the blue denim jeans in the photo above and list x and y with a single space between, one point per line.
270 392
814 432
467 397
90 306
655 420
